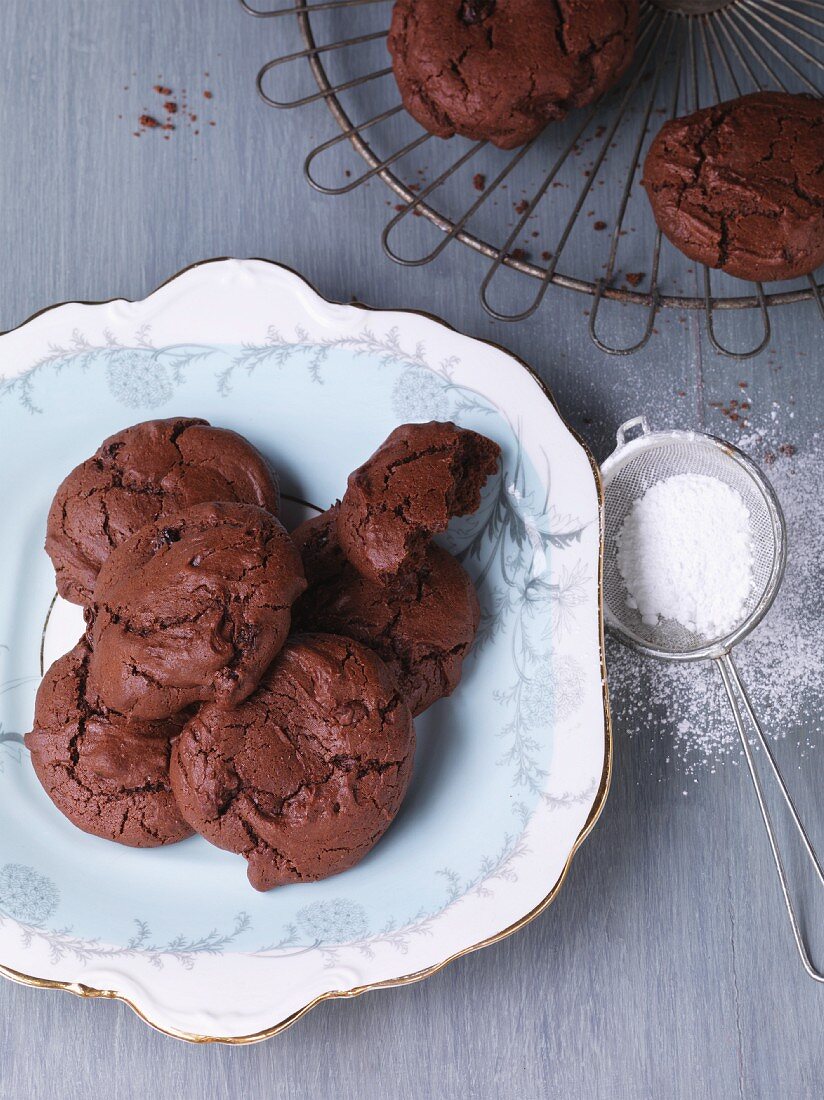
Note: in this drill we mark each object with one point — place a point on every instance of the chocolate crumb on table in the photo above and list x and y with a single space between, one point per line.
174 105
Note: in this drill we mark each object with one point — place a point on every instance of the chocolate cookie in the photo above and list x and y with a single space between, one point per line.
192 608
109 776
422 626
422 476
138 476
305 776
740 186
502 69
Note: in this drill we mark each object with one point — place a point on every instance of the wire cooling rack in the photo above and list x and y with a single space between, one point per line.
566 209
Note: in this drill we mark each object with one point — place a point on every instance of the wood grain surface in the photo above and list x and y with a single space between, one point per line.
665 969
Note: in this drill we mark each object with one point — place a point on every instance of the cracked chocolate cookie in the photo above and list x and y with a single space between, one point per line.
107 775
192 608
500 70
422 476
422 626
136 477
740 186
306 775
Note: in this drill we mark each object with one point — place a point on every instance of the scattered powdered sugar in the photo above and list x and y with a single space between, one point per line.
683 706
685 553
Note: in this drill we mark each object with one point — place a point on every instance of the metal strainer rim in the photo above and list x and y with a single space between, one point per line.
627 449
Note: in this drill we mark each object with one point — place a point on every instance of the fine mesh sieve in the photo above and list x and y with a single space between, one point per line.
629 472
641 459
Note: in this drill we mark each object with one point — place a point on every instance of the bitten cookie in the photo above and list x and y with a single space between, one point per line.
502 69
137 477
192 608
422 626
740 186
306 775
422 476
109 776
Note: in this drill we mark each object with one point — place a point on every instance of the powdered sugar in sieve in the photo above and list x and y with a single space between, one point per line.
668 554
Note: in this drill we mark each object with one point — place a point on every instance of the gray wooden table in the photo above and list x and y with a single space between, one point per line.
665 967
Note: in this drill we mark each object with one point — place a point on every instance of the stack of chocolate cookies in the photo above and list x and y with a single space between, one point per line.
235 681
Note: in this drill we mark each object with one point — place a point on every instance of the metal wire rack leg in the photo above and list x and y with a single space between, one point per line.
616 233
336 140
459 224
304 9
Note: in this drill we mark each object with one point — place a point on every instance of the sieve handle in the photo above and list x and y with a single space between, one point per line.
629 427
737 691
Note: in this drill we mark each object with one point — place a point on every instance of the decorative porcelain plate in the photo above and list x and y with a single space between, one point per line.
511 772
